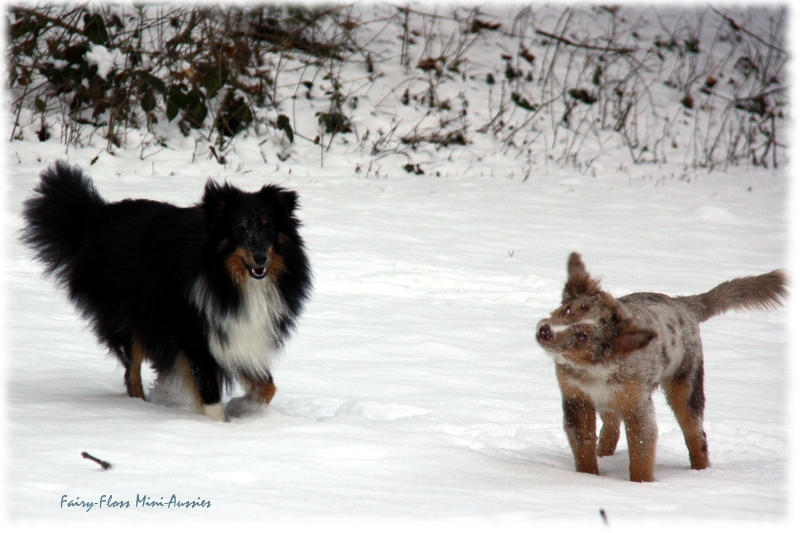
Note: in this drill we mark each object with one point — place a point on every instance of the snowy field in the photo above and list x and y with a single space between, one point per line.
413 393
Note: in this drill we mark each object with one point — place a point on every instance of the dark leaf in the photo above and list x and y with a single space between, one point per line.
214 79
196 110
522 102
176 100
234 115
154 82
283 124
582 95
692 46
527 56
74 54
94 28
148 100
18 29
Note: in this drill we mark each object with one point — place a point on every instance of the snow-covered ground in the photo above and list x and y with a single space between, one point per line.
413 392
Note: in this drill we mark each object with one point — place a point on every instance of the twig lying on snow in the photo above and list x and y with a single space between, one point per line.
104 464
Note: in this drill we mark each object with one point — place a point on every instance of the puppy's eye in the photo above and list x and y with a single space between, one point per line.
567 311
581 337
584 307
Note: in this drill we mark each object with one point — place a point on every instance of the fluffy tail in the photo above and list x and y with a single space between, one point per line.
57 215
763 292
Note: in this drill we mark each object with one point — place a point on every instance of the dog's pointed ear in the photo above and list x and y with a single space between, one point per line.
630 338
217 199
289 199
578 280
286 198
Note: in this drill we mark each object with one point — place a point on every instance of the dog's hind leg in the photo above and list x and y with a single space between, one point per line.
609 433
133 369
130 354
685 396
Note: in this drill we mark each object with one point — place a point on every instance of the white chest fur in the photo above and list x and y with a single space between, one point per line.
245 341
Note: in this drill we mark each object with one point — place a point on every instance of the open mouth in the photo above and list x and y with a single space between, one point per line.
257 272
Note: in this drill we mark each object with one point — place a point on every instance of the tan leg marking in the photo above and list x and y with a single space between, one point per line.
184 374
133 374
261 392
642 434
678 395
266 392
609 433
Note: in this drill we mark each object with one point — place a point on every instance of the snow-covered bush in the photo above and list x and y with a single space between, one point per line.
698 85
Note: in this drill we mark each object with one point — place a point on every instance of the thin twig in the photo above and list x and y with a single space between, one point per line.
105 464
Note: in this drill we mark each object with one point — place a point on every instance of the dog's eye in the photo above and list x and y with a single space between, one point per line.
584 307
581 337
567 311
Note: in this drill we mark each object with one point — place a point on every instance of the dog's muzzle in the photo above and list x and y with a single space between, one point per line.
259 269
544 334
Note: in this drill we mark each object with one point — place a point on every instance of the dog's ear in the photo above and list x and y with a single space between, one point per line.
289 199
217 199
630 338
579 282
284 197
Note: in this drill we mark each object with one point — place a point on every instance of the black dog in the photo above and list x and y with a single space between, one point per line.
208 292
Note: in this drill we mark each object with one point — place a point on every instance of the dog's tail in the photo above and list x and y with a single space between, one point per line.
64 203
763 292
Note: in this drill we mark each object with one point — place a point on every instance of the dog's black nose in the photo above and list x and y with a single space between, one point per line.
545 333
260 259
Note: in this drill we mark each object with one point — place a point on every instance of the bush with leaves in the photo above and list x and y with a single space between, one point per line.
116 67
704 86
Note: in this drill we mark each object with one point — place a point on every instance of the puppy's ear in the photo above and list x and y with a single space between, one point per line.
579 282
630 338
217 199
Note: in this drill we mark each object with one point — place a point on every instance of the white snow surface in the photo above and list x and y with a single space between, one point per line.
414 387
413 393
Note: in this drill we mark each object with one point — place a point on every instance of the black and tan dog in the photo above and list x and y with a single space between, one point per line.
209 292
611 354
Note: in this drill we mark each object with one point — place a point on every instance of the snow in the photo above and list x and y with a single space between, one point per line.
413 393
105 61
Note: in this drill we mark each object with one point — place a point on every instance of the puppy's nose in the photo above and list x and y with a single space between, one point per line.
260 259
545 333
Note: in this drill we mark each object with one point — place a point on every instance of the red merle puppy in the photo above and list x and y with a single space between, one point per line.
611 354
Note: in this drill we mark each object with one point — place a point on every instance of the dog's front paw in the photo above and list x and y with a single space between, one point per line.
243 406
215 412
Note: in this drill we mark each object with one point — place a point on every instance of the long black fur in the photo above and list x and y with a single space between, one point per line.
130 267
